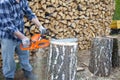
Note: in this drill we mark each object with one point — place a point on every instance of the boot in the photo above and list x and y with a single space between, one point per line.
29 75
9 79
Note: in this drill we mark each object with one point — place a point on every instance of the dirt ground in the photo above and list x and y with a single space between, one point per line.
83 61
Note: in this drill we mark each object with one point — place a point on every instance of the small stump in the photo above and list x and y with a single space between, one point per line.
101 56
62 62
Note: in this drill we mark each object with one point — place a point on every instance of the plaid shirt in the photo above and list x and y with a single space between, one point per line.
11 17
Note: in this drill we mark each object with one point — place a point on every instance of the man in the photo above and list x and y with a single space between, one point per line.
11 35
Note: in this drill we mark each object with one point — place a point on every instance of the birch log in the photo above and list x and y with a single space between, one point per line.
62 62
101 54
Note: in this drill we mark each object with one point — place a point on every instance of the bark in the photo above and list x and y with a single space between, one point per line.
62 62
101 56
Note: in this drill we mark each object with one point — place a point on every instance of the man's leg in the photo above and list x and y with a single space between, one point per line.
23 58
9 66
25 64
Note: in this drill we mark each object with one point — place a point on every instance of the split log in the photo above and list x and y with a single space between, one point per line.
62 62
101 56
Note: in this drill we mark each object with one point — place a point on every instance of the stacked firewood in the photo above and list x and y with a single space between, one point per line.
82 19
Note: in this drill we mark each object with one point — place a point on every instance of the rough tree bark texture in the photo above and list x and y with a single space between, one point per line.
62 62
101 56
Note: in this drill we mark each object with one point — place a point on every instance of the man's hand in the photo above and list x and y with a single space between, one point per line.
26 42
42 30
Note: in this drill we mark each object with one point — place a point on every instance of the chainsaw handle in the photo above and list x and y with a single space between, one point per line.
35 37
42 43
25 48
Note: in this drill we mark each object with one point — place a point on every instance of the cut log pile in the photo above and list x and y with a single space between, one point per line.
83 19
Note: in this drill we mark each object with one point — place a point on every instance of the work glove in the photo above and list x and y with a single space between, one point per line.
42 30
26 42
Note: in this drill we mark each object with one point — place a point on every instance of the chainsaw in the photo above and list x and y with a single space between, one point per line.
37 41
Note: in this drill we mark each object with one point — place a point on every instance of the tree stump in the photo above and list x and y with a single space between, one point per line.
62 62
101 56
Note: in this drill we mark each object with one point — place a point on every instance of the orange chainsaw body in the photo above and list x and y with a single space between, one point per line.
36 43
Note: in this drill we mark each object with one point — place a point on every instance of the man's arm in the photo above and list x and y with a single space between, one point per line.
19 35
39 25
27 10
25 40
36 22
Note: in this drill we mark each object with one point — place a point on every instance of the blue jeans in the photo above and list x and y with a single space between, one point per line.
9 47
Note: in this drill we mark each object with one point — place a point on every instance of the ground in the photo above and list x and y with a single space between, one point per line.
83 61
